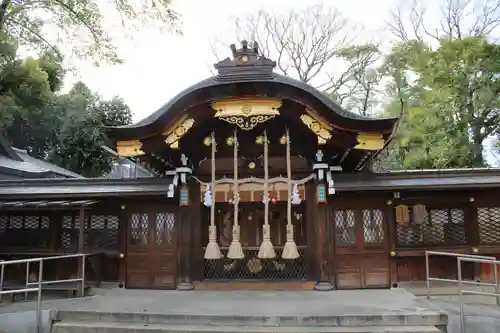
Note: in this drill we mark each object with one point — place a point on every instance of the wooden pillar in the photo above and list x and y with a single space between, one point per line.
196 225
391 235
123 229
310 196
81 242
472 233
322 246
186 240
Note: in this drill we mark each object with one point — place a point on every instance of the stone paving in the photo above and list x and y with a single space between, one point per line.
480 318
294 303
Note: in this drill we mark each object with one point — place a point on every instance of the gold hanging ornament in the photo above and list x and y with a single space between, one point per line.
235 250
212 251
266 250
290 250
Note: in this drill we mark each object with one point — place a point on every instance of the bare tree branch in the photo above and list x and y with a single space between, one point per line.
314 46
457 19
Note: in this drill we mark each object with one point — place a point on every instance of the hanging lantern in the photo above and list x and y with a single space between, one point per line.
184 196
321 193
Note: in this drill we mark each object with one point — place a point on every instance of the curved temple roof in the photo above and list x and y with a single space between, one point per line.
249 74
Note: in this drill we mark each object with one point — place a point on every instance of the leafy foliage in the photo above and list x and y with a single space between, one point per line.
79 26
454 103
65 129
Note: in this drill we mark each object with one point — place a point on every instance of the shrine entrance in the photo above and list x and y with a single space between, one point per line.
151 261
251 267
361 258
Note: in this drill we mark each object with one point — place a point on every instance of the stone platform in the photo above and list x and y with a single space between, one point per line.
360 311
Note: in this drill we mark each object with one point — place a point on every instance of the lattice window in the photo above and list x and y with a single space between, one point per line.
253 268
489 225
139 229
31 222
45 223
345 227
68 222
4 222
69 234
16 222
441 226
22 231
165 223
102 232
373 226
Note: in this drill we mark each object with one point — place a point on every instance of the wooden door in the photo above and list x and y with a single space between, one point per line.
152 250
361 258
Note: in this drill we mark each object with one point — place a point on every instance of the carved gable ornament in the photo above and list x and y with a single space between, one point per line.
246 64
246 113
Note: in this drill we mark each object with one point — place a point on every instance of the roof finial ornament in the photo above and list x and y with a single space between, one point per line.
256 47
246 63
233 50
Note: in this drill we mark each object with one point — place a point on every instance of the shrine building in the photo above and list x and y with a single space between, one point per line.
260 182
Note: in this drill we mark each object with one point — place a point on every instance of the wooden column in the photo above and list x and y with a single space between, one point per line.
472 232
322 246
310 197
81 242
196 225
123 230
391 235
186 241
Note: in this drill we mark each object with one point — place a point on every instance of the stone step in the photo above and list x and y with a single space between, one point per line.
415 318
89 327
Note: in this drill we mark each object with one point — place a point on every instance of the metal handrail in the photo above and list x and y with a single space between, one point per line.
461 292
428 279
40 281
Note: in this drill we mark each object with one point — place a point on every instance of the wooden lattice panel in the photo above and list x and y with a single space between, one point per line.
254 268
102 232
345 227
440 226
489 225
373 226
165 224
139 229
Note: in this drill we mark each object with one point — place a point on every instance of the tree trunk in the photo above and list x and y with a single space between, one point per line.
3 10
477 139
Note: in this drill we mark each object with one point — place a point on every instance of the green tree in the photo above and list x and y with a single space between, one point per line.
27 89
455 99
79 25
444 77
81 136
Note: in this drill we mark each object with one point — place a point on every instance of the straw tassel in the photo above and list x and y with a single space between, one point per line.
266 250
235 250
290 250
212 250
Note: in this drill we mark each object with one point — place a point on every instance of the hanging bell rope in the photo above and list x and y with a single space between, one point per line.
212 251
290 250
235 250
266 250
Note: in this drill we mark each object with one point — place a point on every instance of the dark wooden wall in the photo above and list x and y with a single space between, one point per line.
458 222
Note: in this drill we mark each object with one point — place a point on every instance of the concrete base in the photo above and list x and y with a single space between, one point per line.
151 311
324 286
185 286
